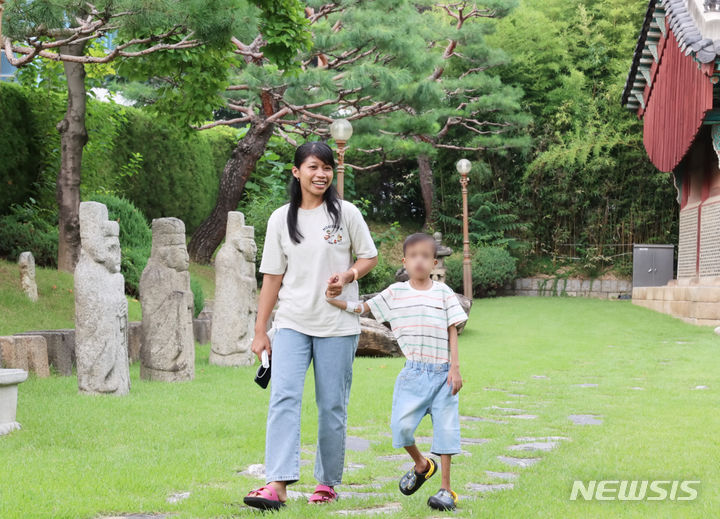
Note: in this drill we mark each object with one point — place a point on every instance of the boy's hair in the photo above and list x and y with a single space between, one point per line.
417 238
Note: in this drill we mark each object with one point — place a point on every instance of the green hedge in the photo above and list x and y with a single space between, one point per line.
163 169
135 237
20 164
492 268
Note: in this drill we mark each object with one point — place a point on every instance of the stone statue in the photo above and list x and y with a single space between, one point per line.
168 347
101 310
27 275
235 305
440 270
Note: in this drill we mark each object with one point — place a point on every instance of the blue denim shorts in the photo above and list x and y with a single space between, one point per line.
421 388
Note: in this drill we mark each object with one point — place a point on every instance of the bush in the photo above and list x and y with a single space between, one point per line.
19 149
198 295
135 237
29 228
379 278
178 172
492 268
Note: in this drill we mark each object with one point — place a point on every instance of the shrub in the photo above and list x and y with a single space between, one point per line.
29 228
178 175
453 272
492 268
19 149
135 237
198 295
379 278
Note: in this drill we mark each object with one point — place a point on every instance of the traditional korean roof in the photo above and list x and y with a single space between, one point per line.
696 26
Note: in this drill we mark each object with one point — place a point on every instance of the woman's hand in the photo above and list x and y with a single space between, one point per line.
336 282
260 343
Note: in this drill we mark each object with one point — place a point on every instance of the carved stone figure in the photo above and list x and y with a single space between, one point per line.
168 347
234 307
26 261
101 310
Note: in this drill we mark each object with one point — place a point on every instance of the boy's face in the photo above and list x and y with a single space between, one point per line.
419 259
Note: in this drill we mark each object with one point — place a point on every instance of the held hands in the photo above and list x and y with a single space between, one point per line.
336 282
454 379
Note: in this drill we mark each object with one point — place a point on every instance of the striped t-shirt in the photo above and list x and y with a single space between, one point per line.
419 319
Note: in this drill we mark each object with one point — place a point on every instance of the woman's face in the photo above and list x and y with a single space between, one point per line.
314 175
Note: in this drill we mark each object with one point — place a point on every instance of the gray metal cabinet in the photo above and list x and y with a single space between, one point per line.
652 265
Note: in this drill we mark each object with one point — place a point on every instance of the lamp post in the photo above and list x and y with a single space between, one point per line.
463 166
341 130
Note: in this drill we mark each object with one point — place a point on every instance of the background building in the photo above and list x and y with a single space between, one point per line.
672 86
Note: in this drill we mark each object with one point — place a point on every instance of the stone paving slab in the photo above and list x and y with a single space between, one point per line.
136 516
481 419
585 419
388 508
501 475
541 438
393 457
482 487
177 497
357 444
506 409
534 446
518 462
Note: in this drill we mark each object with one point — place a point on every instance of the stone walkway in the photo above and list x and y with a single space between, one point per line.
526 452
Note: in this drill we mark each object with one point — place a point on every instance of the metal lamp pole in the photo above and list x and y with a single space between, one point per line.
463 166
341 130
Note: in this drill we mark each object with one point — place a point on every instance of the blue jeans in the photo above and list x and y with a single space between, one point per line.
332 359
421 388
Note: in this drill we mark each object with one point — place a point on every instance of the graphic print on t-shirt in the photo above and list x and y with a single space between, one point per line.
333 235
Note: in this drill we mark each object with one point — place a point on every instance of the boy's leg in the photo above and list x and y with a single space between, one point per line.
291 351
446 425
332 362
410 405
421 462
445 461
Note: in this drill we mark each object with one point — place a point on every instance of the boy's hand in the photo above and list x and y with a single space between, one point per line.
455 380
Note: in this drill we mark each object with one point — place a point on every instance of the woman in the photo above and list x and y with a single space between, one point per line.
309 248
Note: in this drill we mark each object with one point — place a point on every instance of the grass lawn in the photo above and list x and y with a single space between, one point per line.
85 457
55 307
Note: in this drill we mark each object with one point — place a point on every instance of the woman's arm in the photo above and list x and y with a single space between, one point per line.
268 298
338 280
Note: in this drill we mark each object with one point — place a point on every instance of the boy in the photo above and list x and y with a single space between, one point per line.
423 315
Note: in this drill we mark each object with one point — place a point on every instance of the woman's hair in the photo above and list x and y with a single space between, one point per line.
324 153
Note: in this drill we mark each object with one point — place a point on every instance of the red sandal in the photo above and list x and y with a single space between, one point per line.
328 497
264 498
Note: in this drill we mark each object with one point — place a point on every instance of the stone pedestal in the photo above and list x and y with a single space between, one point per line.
60 349
25 352
9 380
134 340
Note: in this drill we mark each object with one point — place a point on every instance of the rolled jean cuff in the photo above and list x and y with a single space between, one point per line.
289 479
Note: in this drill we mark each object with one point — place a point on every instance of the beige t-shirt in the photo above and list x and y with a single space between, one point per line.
308 265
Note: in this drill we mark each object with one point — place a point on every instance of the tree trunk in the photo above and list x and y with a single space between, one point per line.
238 169
426 187
73 137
